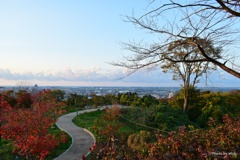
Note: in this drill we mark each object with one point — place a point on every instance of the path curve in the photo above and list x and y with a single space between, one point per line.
82 139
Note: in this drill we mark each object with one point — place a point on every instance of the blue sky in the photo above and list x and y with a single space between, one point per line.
61 42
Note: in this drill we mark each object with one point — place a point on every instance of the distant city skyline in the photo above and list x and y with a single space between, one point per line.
68 43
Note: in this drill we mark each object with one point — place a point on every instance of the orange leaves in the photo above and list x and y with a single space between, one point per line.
219 141
24 100
4 106
109 123
207 143
112 114
107 129
28 127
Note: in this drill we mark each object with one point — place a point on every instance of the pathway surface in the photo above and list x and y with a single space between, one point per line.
82 140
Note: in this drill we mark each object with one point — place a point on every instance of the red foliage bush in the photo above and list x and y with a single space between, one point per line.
28 127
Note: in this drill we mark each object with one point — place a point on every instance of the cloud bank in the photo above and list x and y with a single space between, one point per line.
92 76
96 76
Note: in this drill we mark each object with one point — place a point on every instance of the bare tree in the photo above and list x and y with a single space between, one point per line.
24 85
188 72
215 21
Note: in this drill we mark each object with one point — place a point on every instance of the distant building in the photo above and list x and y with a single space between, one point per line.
2 89
35 88
170 95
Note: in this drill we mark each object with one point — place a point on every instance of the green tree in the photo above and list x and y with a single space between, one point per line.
58 94
149 100
215 105
10 97
194 105
97 100
137 102
124 99
77 101
110 99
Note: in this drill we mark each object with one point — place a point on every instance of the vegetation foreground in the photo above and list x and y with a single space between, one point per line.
210 130
28 129
149 128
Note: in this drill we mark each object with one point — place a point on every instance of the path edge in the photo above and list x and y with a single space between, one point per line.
94 139
90 133
71 141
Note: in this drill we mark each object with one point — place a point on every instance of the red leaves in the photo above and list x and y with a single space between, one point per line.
109 123
24 100
28 127
219 141
207 143
83 157
93 147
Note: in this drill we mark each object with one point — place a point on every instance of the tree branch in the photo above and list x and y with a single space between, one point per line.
227 9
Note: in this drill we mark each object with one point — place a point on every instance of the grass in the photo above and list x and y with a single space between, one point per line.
62 146
6 148
88 119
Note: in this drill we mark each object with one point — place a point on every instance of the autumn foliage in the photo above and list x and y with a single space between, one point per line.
107 132
24 99
221 141
108 125
28 128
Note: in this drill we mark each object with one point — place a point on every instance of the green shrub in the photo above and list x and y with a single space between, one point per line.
159 117
215 105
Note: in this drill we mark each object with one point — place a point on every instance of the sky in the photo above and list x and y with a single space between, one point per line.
70 43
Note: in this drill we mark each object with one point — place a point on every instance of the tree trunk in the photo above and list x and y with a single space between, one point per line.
186 91
186 101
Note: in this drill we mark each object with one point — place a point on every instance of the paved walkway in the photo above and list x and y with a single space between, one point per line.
82 140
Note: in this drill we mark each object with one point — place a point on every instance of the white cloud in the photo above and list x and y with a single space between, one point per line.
97 76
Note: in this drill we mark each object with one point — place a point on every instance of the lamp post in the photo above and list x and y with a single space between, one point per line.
76 111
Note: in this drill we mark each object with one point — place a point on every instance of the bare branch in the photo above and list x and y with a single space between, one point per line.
227 9
185 38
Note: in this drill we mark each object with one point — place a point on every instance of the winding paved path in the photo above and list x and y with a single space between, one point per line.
82 140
